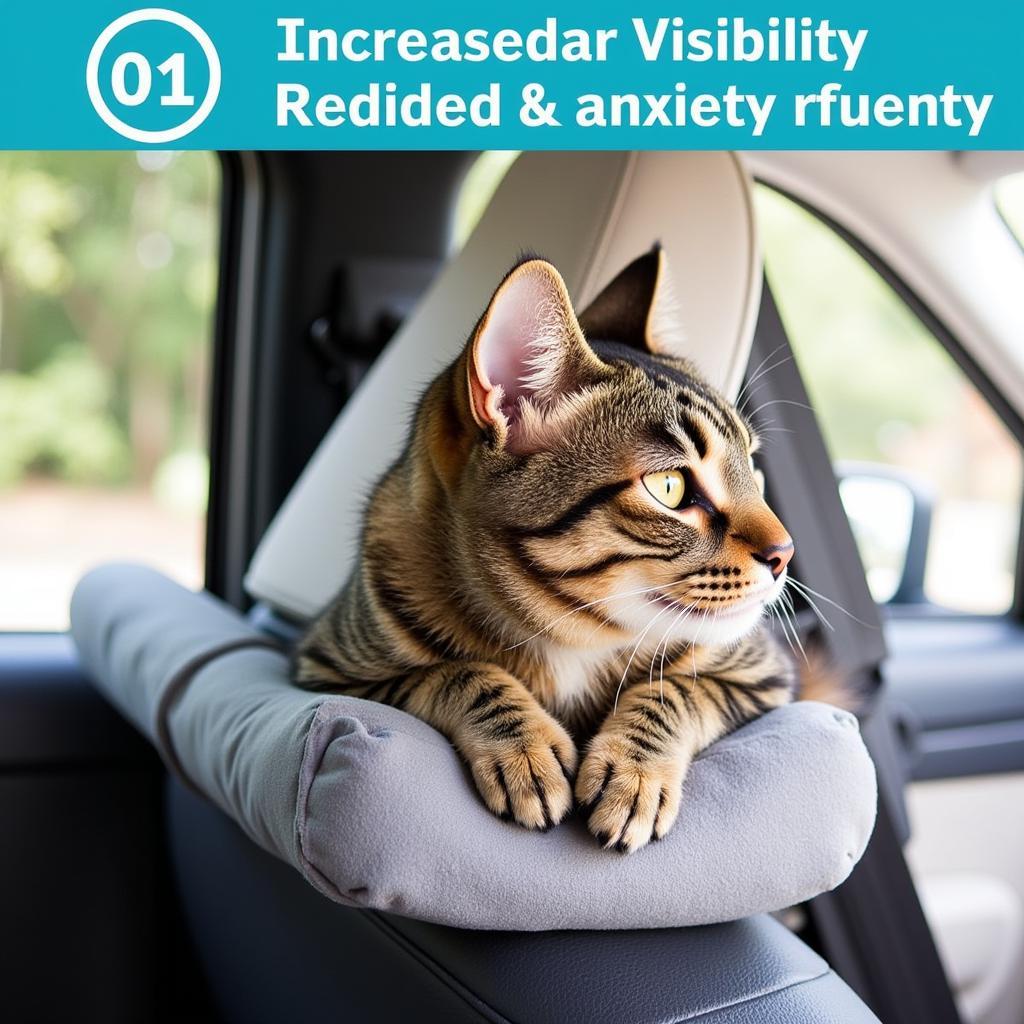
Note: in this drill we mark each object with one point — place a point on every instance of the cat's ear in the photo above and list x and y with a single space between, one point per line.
638 308
527 353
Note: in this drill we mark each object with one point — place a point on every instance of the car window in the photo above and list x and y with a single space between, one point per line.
899 417
1010 200
107 281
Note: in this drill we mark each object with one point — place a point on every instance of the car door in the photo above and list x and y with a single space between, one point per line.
929 457
108 266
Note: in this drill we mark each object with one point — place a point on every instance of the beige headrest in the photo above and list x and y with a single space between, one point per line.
589 214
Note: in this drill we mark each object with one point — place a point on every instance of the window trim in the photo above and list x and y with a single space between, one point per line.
1004 411
229 526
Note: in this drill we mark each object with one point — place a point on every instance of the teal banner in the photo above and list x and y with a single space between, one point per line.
288 74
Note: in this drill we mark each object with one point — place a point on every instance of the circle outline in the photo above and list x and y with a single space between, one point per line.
92 69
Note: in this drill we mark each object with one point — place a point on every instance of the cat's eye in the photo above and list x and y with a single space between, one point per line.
669 487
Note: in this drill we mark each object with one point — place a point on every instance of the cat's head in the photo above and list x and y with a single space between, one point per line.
605 473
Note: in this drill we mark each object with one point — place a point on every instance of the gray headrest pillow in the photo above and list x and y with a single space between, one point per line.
376 810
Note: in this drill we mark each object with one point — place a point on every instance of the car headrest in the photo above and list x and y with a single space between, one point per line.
588 213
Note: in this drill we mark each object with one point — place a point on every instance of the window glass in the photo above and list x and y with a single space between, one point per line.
1010 200
889 396
107 281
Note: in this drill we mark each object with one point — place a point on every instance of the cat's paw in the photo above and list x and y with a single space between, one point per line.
526 777
629 801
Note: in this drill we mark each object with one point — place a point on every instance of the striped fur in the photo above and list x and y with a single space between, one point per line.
521 590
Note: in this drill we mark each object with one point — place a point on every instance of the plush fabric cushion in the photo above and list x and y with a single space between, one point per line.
376 810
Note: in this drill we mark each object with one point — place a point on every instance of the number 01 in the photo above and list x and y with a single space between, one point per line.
174 67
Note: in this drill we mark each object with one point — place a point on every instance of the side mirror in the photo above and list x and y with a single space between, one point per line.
890 514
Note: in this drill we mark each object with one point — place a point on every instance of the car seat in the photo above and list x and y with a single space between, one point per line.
274 948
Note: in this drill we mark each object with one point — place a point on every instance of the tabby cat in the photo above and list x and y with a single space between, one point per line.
573 549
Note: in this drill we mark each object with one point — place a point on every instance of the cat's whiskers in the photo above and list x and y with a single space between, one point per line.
778 618
760 372
696 640
757 372
764 383
602 600
807 592
591 604
766 442
742 408
771 424
819 614
770 427
684 611
636 647
789 611
664 649
779 401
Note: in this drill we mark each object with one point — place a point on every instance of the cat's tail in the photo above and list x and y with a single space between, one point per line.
820 680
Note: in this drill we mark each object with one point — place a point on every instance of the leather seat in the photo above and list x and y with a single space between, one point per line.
274 951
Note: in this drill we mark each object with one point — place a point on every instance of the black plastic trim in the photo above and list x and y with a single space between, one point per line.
52 719
86 889
230 533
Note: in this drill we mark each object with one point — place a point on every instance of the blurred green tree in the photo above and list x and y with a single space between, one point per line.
872 369
107 280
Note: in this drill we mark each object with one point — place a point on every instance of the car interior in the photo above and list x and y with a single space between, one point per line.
866 306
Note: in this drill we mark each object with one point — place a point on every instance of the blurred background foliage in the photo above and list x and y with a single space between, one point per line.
859 351
107 281
883 387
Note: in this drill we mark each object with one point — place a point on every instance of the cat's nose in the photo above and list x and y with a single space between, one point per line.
776 556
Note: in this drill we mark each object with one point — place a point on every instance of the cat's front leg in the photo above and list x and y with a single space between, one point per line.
631 778
521 759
